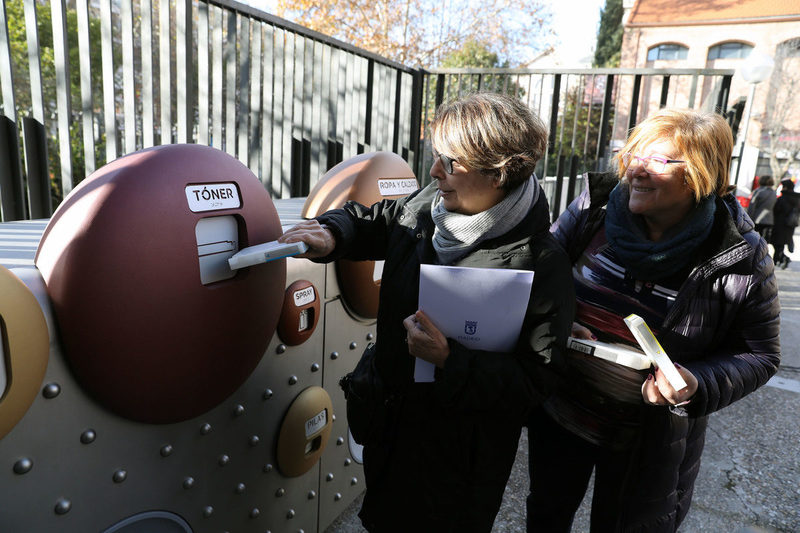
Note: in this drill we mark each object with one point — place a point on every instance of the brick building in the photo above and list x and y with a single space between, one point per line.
722 34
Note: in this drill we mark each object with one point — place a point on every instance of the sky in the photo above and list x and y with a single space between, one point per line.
574 22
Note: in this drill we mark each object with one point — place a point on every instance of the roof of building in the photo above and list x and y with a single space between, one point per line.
687 12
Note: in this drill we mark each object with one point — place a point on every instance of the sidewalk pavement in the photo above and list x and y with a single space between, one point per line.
749 479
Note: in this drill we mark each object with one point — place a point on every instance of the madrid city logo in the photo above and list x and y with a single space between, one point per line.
470 328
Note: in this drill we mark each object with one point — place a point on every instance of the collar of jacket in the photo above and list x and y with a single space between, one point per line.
417 216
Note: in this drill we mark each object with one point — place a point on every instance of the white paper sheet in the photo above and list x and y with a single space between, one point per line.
481 308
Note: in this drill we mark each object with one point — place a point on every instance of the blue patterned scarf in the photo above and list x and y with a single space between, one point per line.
648 260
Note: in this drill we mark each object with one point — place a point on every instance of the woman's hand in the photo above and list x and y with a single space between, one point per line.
425 340
320 240
656 390
581 332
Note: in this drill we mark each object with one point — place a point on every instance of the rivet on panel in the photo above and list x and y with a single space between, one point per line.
334 355
119 476
88 436
333 418
267 468
224 460
207 511
370 336
312 494
51 390
240 487
166 450
279 493
354 481
340 441
267 394
315 367
238 410
188 482
205 429
353 345
23 466
281 348
329 477
337 496
63 506
290 514
347 461
254 512
293 380
254 440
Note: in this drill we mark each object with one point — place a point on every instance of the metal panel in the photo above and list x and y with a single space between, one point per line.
64 109
164 72
341 479
243 108
148 105
183 66
203 100
129 115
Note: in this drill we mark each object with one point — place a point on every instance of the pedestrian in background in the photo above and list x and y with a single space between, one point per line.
786 217
661 239
761 203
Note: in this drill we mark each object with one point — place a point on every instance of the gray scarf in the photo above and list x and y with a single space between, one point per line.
456 235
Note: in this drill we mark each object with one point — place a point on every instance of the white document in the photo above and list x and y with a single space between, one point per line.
481 308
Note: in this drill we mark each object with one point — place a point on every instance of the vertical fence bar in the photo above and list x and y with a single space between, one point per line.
255 98
324 108
604 119
368 106
632 117
693 91
85 69
296 138
242 110
34 64
316 117
288 100
164 72
397 99
148 120
203 102
39 200
6 73
664 91
217 76
267 120
722 96
350 138
277 113
129 105
415 133
183 66
12 199
230 84
58 14
35 144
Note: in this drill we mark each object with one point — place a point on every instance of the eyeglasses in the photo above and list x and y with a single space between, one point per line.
447 162
652 164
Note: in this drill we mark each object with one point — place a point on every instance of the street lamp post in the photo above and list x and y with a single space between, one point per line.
755 69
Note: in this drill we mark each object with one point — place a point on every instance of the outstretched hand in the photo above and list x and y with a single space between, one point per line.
425 340
656 390
320 240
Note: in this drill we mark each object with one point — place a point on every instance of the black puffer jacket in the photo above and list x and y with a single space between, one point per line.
451 444
724 327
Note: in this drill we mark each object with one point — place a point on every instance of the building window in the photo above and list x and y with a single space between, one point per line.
667 51
729 51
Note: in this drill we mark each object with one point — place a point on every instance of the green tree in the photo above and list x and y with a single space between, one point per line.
609 35
15 15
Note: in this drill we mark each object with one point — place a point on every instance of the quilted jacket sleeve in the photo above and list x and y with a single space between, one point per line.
753 355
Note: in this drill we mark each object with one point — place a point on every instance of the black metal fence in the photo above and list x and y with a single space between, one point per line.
93 80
